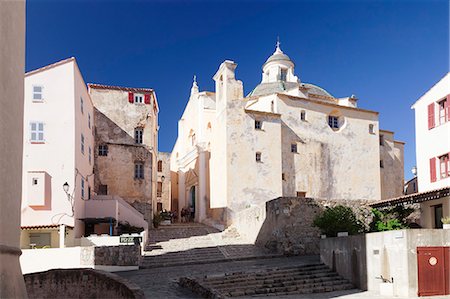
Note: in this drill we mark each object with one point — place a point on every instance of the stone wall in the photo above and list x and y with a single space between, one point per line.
124 255
346 256
288 229
79 283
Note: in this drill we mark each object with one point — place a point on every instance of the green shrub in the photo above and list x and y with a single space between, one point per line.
390 219
338 219
156 220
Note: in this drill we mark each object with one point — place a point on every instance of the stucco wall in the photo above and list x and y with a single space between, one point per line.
392 172
165 197
438 137
393 254
427 215
346 256
12 62
67 284
115 120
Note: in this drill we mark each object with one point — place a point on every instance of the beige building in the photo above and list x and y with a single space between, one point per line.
12 62
285 138
126 134
163 199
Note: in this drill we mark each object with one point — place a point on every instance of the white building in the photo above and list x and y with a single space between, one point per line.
432 114
432 111
58 148
286 138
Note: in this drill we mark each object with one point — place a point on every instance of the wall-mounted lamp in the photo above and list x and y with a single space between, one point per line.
163 178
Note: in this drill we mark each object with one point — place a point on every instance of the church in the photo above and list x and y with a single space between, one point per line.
285 138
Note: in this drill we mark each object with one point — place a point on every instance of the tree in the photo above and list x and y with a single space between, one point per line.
338 219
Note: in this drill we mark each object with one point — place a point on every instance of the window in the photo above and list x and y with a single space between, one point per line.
303 115
283 176
138 98
82 144
103 150
381 164
443 110
159 207
138 135
139 170
34 181
301 194
258 157
37 132
90 155
283 74
82 188
37 94
431 121
89 120
382 140
444 164
293 147
81 105
89 192
333 122
102 190
159 189
371 129
159 166
258 125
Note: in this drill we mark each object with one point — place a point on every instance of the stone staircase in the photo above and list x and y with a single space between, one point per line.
307 279
194 243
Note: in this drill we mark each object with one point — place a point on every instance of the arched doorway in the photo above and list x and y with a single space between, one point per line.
192 203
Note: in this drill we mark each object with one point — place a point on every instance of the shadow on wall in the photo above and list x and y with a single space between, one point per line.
80 283
122 155
288 228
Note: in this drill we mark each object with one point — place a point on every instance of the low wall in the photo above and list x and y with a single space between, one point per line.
363 259
287 227
393 254
79 283
108 258
346 256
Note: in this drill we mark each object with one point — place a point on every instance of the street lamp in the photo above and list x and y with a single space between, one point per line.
414 170
66 188
163 178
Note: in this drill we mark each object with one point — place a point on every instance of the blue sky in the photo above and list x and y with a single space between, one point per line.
387 53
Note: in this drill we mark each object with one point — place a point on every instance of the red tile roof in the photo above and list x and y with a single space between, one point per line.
133 89
413 198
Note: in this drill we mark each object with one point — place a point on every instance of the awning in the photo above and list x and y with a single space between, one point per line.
49 226
412 198
98 220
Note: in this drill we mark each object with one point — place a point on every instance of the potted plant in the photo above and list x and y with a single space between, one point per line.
446 222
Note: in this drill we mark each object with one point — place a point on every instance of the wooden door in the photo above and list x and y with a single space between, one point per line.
431 264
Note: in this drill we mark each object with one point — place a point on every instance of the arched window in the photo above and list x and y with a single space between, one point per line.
159 166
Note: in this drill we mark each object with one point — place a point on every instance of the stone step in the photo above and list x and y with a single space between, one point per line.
294 289
274 280
313 278
310 269
293 284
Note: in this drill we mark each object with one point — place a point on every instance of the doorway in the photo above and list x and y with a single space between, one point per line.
192 203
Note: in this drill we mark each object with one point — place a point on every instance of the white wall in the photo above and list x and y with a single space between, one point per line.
37 260
434 142
56 154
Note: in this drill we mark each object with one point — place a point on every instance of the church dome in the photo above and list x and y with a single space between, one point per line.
278 56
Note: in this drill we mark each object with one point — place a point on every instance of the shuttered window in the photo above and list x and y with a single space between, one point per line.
431 116
433 169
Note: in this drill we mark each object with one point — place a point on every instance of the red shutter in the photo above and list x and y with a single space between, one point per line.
431 116
147 98
447 103
131 97
433 169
